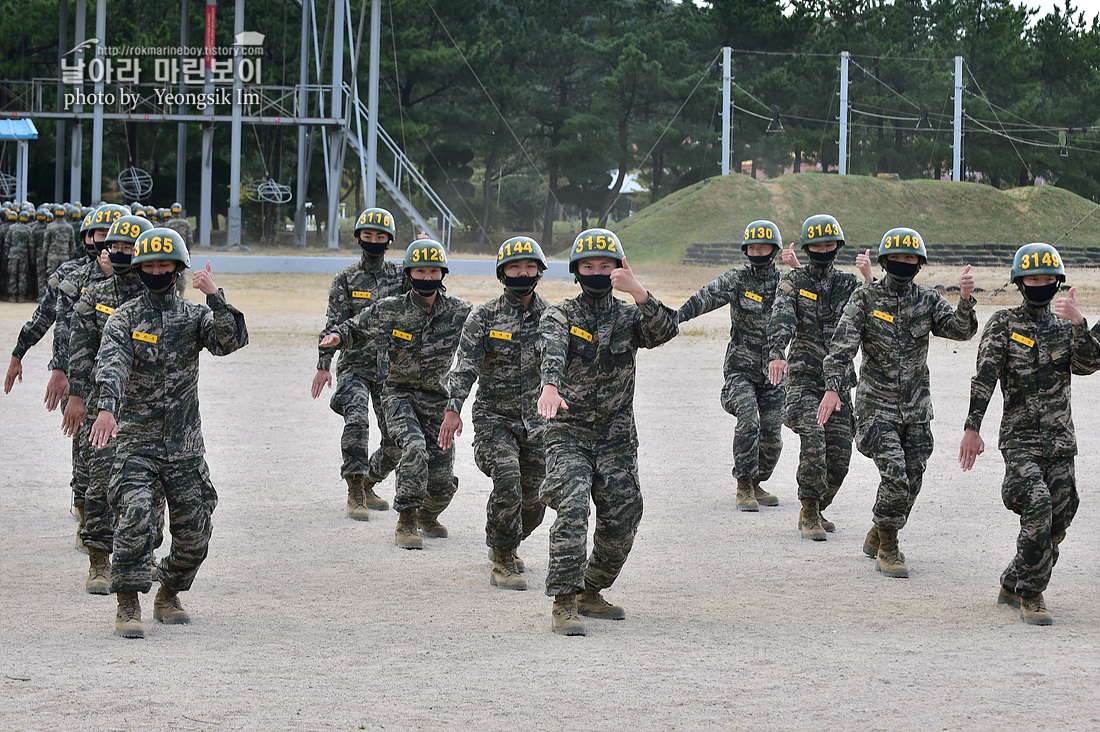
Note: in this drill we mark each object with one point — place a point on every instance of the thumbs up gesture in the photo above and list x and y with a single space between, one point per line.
863 264
203 281
1066 307
623 280
966 283
790 258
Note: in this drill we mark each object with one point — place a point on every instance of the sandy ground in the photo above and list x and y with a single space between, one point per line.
304 620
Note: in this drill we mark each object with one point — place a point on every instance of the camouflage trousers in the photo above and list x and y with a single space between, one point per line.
18 283
758 437
517 465
352 401
1043 491
425 473
576 475
191 501
901 453
825 452
81 446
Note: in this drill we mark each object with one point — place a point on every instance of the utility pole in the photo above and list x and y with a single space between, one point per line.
727 108
843 159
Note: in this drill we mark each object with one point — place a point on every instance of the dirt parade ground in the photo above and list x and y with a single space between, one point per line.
305 620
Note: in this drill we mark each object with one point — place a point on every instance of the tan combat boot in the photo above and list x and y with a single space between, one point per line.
504 573
826 524
357 508
809 521
373 501
746 496
890 560
564 619
99 573
79 511
520 566
429 526
168 609
762 496
593 604
1004 597
405 535
870 543
1033 610
128 616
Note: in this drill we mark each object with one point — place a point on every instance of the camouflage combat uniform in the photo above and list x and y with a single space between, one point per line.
183 228
747 394
44 315
360 371
419 342
1032 353
19 262
58 245
500 350
807 308
588 353
147 373
893 405
38 258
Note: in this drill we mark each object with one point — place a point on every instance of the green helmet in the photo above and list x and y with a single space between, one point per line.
74 212
25 216
13 215
821 228
177 209
128 229
85 225
160 245
902 240
519 248
424 253
1037 259
60 210
43 214
595 243
378 219
762 231
105 215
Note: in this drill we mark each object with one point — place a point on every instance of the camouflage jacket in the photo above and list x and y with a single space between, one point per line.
807 309
86 330
355 289
71 287
892 326
418 342
750 294
58 244
500 350
1032 353
19 242
183 228
147 369
588 352
46 312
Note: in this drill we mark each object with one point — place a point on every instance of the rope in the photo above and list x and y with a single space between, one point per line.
1021 157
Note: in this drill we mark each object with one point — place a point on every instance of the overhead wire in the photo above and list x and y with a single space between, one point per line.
975 80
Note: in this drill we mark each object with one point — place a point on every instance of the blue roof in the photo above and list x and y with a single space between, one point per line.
17 129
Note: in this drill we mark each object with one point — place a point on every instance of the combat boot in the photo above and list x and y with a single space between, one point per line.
357 509
830 494
1033 610
405 535
826 524
80 530
746 496
128 616
168 609
504 573
870 543
1004 597
762 496
890 560
564 619
373 501
809 521
520 566
429 526
99 573
592 604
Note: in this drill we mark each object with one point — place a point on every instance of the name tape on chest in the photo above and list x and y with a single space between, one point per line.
580 333
753 296
807 294
82 289
1023 339
147 337
884 316
402 335
103 308
500 334
359 294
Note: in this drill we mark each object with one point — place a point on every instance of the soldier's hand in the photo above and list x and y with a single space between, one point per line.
104 261
423 235
790 258
204 281
15 371
320 380
776 370
623 280
863 264
550 402
103 430
1066 308
56 390
966 283
829 403
452 425
972 446
75 412
330 341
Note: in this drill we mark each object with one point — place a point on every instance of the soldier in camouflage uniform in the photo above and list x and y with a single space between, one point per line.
37 278
1032 352
58 244
419 333
147 374
181 226
891 319
758 405
361 370
589 345
9 216
18 243
500 350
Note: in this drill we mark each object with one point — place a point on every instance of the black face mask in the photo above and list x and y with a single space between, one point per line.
522 286
426 288
901 273
762 261
158 283
120 263
822 259
596 285
374 249
1039 295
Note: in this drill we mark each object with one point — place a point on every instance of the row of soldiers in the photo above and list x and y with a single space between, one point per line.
36 241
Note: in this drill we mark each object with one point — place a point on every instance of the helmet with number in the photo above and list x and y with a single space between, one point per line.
12 215
1037 259
595 243
425 253
26 216
105 215
821 228
177 209
161 245
163 214
902 240
45 215
377 219
60 210
74 212
762 231
134 205
128 229
519 248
